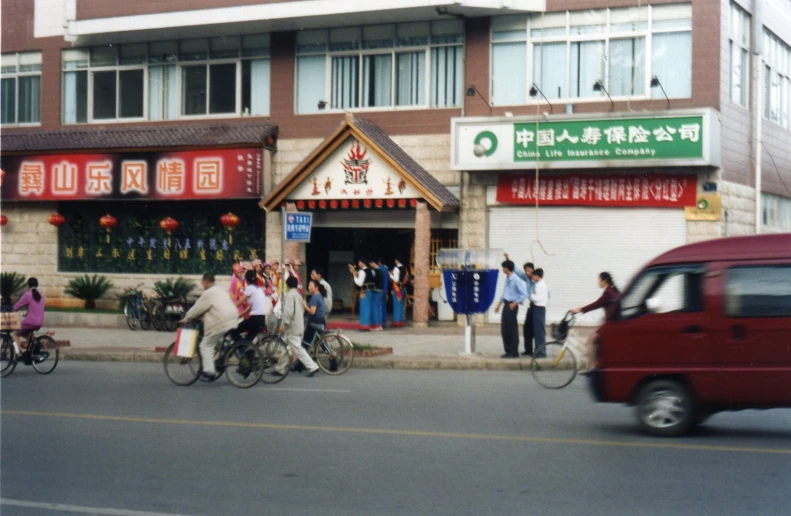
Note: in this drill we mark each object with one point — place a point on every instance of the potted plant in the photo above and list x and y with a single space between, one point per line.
10 285
178 288
89 289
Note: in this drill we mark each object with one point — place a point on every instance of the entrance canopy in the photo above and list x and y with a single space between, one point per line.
359 166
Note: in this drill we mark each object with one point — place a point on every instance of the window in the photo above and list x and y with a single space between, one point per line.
381 66
777 80
20 88
758 291
776 211
570 51
167 80
669 289
739 46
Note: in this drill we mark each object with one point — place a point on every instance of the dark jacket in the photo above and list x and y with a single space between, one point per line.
608 301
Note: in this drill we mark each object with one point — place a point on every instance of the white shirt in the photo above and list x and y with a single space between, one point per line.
359 280
540 294
257 299
328 299
395 274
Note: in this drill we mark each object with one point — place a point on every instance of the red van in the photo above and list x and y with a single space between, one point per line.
703 328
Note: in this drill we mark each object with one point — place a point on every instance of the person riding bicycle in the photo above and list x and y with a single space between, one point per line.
34 301
260 306
219 317
316 309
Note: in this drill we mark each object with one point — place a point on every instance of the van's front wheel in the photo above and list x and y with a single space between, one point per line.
665 408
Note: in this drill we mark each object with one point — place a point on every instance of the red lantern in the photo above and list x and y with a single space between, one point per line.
334 205
3 220
108 222
312 205
355 204
390 203
345 204
169 225
56 219
301 205
378 203
229 220
323 205
413 202
402 203
367 203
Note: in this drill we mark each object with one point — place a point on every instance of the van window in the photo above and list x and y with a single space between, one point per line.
672 289
758 291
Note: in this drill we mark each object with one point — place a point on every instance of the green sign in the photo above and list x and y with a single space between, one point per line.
610 140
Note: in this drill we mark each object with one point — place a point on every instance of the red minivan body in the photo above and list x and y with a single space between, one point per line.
703 328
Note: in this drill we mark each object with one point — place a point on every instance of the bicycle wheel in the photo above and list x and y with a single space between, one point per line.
7 356
273 350
243 364
333 353
157 316
145 319
554 366
181 370
44 354
131 317
172 321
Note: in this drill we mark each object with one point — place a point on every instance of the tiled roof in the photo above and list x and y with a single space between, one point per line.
149 137
406 162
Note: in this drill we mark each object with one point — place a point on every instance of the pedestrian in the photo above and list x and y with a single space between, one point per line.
527 329
33 302
365 280
377 293
292 327
316 309
318 275
237 289
399 277
514 294
291 270
539 299
385 273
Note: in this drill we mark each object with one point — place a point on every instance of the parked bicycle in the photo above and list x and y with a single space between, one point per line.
239 359
166 312
42 353
331 351
135 310
556 364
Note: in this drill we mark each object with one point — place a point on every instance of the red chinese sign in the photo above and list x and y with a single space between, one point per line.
203 174
656 190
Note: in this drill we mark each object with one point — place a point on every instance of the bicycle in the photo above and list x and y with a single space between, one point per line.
239 359
42 353
555 364
135 310
331 351
166 312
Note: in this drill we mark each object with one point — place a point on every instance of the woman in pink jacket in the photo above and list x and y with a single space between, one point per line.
34 301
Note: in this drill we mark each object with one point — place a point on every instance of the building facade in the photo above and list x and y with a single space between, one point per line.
582 136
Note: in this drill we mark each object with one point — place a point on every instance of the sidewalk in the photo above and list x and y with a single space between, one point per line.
440 346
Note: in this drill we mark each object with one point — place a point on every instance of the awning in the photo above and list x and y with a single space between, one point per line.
285 16
359 165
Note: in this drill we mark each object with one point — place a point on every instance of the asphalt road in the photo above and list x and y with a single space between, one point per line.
110 438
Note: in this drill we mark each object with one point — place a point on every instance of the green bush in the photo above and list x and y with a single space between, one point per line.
10 285
89 289
178 288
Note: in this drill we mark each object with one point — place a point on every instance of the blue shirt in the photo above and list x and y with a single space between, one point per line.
321 309
531 285
385 277
515 290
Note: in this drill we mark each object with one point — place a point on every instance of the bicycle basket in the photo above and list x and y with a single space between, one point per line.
560 331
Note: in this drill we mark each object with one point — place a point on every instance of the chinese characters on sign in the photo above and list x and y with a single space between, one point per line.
205 174
298 226
655 190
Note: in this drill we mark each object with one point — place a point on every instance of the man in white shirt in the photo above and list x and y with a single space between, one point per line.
539 299
365 279
260 306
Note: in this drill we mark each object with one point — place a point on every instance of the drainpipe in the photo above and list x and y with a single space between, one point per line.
758 35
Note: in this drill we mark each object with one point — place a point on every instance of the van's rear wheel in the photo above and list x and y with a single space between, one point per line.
665 408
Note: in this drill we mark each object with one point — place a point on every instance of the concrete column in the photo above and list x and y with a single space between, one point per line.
422 248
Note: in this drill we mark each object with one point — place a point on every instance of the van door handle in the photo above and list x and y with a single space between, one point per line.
695 328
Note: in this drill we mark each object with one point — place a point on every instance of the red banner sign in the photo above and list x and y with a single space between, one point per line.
657 190
203 174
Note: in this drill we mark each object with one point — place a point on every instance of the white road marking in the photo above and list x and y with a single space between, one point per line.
79 509
294 389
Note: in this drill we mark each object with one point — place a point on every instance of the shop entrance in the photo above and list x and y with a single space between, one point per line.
332 249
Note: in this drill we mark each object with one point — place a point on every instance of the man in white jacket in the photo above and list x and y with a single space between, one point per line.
219 316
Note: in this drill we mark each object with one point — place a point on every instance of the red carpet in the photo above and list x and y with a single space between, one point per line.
343 325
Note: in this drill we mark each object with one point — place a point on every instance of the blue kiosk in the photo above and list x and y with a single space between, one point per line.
470 277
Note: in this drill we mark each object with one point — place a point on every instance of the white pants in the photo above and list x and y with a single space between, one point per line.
295 343
207 346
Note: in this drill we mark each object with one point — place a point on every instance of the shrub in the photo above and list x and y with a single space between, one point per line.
10 285
89 289
174 288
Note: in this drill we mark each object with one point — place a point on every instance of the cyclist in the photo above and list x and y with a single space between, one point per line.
260 306
317 310
608 300
34 301
219 316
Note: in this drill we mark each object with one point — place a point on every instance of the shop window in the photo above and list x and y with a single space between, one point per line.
138 245
20 88
758 291
410 64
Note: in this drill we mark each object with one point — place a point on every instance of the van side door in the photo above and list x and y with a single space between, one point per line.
754 332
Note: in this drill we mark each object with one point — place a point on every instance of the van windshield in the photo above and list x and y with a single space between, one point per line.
673 289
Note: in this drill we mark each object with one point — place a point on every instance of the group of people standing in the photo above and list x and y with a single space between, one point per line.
376 283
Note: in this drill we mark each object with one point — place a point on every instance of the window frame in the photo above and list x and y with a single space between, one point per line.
644 28
744 45
776 65
16 75
726 292
664 272
393 51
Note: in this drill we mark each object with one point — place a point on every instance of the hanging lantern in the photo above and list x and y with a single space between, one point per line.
169 225
3 220
390 203
413 202
108 222
323 205
56 219
229 220
402 203
367 203
379 203
312 205
344 204
355 204
300 205
334 205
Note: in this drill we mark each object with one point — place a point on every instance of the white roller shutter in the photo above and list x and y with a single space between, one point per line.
581 242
